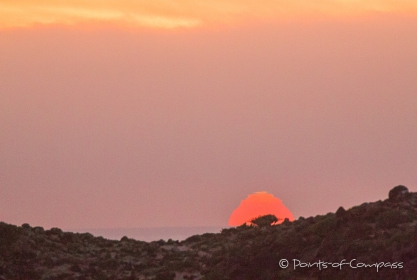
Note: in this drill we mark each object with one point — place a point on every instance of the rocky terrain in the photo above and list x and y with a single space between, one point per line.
372 241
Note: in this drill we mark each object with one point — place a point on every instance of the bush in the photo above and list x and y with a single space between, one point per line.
54 231
165 275
266 220
8 234
359 230
124 238
325 225
194 238
392 218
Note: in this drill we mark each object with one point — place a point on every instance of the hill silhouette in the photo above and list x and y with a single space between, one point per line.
375 240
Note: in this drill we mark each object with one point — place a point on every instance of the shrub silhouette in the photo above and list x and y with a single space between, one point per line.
266 220
8 235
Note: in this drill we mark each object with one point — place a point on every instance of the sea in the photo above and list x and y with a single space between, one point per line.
150 234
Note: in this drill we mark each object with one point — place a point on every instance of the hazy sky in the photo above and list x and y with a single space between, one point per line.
132 114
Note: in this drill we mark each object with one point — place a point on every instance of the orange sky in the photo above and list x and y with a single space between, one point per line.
135 127
184 13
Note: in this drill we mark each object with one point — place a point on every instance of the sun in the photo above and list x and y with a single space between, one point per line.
258 204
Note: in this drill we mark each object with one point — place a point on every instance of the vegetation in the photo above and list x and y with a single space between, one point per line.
383 231
263 221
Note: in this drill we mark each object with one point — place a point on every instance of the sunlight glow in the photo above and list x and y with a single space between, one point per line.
185 13
258 204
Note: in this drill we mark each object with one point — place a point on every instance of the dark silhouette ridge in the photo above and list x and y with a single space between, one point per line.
382 233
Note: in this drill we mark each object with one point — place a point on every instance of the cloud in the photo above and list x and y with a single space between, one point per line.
18 14
184 13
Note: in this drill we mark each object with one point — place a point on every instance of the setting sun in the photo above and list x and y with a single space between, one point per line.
259 204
